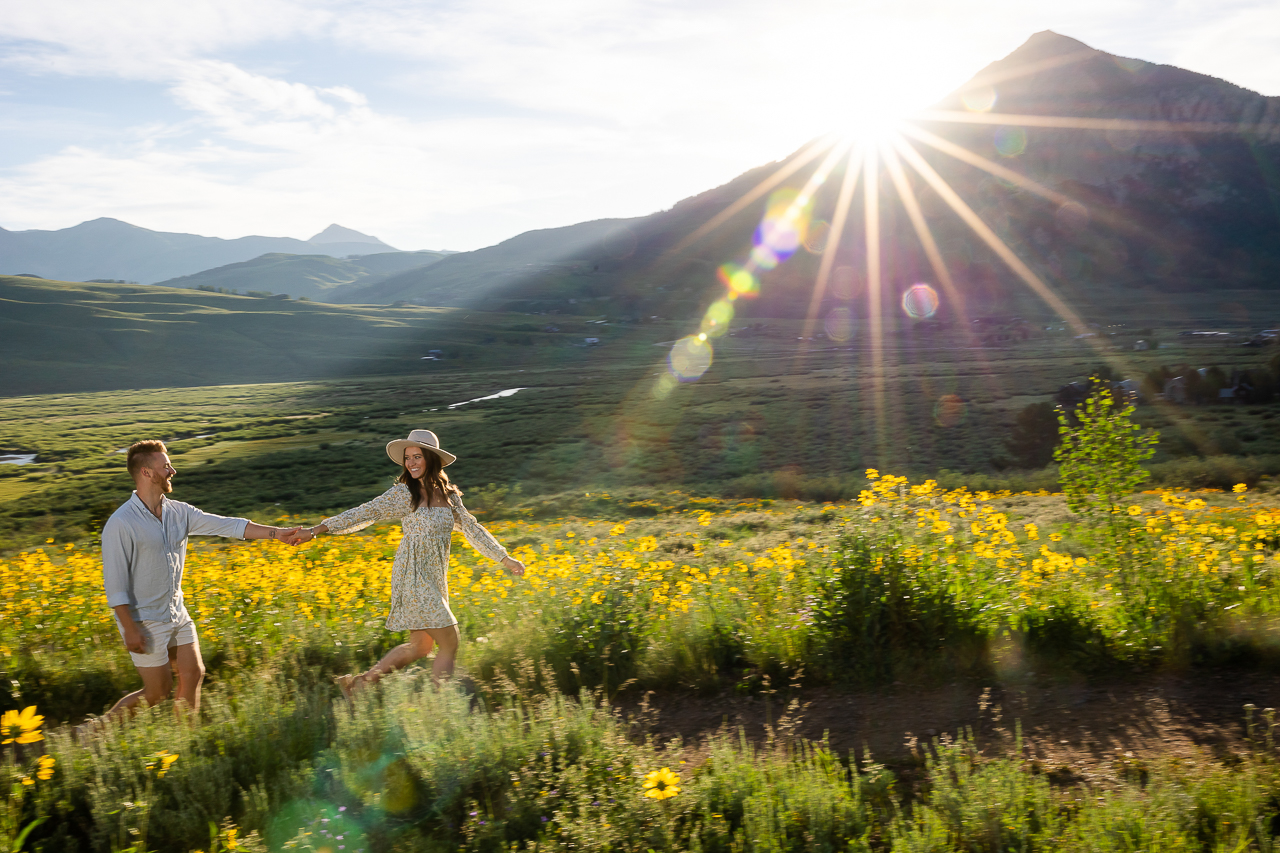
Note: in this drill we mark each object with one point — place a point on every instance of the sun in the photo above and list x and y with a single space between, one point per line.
868 117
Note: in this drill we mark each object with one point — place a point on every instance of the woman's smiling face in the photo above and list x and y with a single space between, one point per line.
415 462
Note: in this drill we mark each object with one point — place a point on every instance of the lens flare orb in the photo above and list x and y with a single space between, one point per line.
717 319
839 324
783 228
1011 141
1072 216
689 358
739 281
815 241
920 301
950 410
843 280
664 386
979 100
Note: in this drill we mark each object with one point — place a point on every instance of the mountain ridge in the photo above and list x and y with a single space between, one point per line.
1159 211
336 233
1163 209
310 276
109 248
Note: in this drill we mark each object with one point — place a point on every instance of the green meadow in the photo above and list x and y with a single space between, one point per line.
782 412
693 542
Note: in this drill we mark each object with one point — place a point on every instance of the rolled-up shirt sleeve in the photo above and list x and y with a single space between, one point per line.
117 555
201 523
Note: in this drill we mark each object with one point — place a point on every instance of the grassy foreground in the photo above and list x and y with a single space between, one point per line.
909 582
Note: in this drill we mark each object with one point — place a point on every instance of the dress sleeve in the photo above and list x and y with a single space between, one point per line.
473 531
394 503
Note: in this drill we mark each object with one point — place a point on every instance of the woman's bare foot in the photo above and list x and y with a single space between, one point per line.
348 684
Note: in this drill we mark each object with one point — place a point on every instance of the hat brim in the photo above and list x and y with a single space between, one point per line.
395 450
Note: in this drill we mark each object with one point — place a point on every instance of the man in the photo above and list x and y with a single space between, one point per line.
144 550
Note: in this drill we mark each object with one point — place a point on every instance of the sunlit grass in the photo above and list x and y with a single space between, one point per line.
709 592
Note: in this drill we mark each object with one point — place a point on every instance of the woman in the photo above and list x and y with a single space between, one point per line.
430 508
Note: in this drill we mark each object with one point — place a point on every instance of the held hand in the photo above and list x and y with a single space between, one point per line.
298 536
513 566
133 640
285 534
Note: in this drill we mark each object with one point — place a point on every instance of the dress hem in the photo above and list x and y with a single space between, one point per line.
420 627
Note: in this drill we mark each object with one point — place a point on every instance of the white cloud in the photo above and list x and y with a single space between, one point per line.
1242 46
581 109
143 39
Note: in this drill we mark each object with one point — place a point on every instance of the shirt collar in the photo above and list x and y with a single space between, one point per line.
141 505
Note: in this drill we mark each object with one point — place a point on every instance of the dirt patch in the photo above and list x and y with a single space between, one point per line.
1095 728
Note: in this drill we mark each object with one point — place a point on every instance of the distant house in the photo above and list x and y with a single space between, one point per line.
1128 391
1141 346
1072 394
1175 390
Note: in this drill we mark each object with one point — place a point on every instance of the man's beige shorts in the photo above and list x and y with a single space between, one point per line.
160 637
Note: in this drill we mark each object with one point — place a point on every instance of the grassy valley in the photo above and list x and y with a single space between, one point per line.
315 277
775 416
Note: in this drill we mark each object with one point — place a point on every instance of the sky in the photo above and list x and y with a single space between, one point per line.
455 125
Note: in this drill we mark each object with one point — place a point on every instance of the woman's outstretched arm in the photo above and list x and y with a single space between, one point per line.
480 539
392 504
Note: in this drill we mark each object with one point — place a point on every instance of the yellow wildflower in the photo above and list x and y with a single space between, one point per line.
661 784
21 727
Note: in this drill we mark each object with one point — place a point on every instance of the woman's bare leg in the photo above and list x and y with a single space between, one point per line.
418 647
446 652
421 641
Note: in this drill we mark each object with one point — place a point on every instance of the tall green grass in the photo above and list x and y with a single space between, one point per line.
414 768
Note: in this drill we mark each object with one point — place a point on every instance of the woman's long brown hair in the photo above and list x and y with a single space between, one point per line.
436 479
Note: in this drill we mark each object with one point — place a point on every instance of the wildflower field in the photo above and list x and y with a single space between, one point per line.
528 750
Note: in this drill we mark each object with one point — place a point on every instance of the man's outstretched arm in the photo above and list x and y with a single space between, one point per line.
253 530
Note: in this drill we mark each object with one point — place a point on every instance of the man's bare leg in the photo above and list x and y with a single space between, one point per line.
190 666
157 681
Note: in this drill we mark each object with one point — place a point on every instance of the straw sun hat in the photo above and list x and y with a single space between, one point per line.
424 438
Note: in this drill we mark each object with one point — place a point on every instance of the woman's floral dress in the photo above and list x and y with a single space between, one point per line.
420 575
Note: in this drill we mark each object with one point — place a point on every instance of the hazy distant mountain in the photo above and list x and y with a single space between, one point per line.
337 234
468 276
111 249
1157 211
312 276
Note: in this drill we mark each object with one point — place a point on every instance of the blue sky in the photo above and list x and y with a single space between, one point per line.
456 125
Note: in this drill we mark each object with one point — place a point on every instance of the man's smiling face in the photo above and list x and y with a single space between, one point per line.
160 471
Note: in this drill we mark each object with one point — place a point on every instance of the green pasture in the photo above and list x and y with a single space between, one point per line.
774 416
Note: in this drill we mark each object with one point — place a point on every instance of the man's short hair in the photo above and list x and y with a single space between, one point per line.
140 451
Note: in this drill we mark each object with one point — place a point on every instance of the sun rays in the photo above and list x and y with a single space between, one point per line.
896 160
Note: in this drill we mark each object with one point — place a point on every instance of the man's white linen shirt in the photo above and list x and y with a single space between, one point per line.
143 556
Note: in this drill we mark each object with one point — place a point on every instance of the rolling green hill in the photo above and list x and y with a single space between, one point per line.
68 336
315 277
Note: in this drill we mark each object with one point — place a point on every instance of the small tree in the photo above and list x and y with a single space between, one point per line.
1101 454
1034 436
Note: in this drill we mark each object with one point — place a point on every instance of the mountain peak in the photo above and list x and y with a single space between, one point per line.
337 234
1047 43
